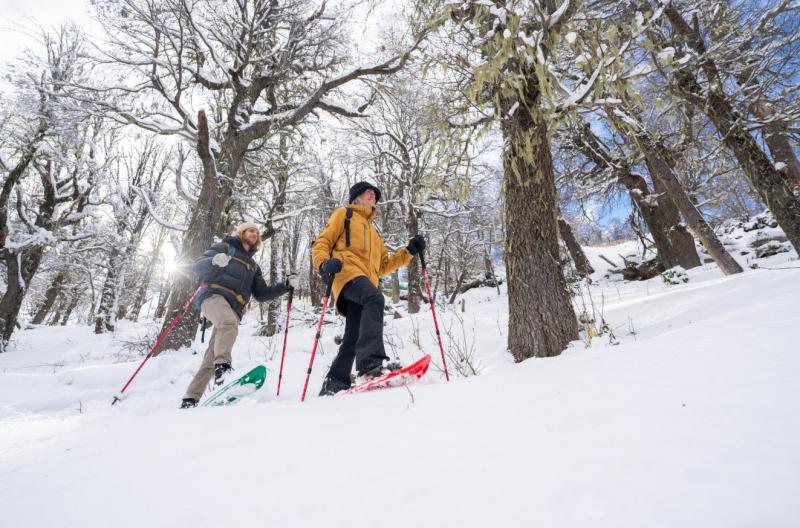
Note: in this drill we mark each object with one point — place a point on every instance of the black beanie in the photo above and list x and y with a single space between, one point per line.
360 187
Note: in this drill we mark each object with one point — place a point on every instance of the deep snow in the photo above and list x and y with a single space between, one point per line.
693 419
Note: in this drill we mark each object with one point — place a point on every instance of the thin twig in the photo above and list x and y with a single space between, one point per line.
411 394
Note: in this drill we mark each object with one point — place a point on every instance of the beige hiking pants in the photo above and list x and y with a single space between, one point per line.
226 327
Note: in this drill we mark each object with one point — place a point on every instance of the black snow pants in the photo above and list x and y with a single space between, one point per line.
363 331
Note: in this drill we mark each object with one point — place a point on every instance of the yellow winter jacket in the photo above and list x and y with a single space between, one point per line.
366 256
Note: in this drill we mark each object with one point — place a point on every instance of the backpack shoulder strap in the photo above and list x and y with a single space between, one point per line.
232 254
347 218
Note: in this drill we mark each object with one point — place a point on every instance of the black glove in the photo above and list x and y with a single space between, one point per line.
331 266
416 245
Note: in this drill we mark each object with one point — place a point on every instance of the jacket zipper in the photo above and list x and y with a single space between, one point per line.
369 255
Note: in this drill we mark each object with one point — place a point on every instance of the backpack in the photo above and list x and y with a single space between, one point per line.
201 297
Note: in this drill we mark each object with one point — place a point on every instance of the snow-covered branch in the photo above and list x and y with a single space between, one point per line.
155 215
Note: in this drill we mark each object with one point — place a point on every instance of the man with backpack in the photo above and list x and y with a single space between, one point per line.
232 277
351 248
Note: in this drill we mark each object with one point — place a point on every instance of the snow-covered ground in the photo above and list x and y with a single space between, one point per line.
692 419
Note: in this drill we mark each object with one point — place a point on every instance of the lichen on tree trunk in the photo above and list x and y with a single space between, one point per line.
541 318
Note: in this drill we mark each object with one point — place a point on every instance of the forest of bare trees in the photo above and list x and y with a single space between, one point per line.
508 132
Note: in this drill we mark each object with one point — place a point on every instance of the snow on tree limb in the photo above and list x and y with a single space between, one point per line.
315 99
278 218
155 215
182 192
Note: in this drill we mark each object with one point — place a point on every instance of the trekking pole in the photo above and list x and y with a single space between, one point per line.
160 340
319 332
285 337
433 311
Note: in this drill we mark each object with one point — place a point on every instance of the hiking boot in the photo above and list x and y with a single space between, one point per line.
331 386
222 373
384 368
188 403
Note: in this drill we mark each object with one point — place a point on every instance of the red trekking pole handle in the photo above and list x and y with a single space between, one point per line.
158 343
433 311
319 333
285 337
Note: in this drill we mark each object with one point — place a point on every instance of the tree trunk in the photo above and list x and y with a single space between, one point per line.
461 277
774 130
281 182
395 287
112 307
66 305
76 297
654 215
314 283
141 294
50 297
541 319
124 295
683 247
684 251
16 174
774 189
21 267
679 243
273 311
658 210
446 276
488 260
414 288
215 192
122 311
104 320
163 297
12 299
782 152
576 252
660 162
56 315
775 136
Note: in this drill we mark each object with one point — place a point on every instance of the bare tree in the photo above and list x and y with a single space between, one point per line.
59 149
138 175
401 144
674 245
512 45
701 82
263 67
146 278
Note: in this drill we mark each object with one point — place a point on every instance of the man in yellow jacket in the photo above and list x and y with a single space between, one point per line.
351 248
